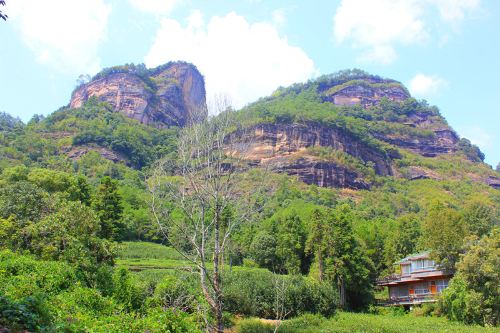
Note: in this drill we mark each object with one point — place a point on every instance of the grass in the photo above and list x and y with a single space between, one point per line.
347 322
139 256
360 322
134 250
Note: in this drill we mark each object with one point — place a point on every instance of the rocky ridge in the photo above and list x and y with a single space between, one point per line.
169 95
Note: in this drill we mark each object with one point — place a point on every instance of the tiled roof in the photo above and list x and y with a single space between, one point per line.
415 256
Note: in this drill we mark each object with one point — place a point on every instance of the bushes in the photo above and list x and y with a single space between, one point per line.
252 292
50 296
28 313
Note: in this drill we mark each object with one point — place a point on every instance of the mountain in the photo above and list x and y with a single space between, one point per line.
163 96
344 130
350 128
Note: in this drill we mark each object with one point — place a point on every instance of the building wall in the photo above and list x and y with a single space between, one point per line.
427 287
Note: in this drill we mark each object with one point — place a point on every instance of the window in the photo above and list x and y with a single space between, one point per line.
429 263
441 285
421 288
399 291
417 265
422 264
405 269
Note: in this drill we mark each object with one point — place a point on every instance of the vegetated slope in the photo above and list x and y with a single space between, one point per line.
350 128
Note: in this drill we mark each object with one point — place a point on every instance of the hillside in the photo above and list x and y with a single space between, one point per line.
348 129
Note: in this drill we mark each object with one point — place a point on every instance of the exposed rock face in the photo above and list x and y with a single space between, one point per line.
167 95
75 153
416 172
366 92
444 141
284 147
493 182
324 174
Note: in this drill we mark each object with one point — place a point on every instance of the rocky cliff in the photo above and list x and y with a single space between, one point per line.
366 92
168 95
296 150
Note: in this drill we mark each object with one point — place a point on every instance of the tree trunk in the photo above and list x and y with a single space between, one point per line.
342 295
321 266
217 279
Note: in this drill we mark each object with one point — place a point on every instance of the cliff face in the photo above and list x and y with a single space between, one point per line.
290 148
167 95
367 92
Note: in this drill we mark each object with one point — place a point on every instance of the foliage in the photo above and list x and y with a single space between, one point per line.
473 296
290 244
444 233
70 234
404 240
252 292
107 205
472 152
345 322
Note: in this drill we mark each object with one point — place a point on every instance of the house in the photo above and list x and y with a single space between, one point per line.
420 281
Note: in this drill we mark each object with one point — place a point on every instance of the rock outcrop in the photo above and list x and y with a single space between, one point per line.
367 92
286 148
169 95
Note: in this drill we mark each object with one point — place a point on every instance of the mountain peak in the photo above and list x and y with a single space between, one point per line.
167 95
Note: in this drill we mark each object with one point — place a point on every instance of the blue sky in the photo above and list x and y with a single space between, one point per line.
445 51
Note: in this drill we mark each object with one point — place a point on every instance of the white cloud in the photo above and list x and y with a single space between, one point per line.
454 10
376 27
63 33
244 60
279 17
479 137
422 85
158 7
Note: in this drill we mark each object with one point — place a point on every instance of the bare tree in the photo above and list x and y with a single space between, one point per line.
200 200
2 15
281 286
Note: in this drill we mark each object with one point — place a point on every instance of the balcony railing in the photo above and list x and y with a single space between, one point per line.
411 299
389 278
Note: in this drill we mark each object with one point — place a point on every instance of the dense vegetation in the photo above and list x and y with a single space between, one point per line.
74 204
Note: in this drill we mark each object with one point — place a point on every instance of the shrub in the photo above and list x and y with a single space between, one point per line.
29 313
252 292
174 292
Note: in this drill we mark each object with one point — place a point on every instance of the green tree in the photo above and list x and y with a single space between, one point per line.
347 262
316 244
479 217
83 190
23 201
107 204
70 234
444 233
472 152
473 296
404 240
291 243
344 258
263 250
